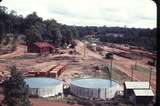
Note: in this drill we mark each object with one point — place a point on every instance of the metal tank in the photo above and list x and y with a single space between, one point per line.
94 88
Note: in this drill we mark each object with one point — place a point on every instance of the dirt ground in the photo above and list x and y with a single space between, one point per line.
42 102
124 65
77 64
121 63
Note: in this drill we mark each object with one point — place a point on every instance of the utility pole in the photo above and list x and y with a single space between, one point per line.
84 55
111 75
132 73
135 62
150 78
111 67
112 48
85 44
111 61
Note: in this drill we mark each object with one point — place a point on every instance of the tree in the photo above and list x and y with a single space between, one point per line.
15 90
53 31
75 32
56 36
31 19
32 35
50 25
3 11
69 36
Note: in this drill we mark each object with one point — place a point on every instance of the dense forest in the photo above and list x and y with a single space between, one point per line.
34 28
145 38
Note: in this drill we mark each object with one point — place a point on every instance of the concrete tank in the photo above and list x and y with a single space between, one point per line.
94 88
44 87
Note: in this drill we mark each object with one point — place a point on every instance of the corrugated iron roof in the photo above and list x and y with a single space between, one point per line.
136 85
48 68
43 44
58 68
145 92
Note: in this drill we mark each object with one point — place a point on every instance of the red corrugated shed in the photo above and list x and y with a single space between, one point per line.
43 44
40 47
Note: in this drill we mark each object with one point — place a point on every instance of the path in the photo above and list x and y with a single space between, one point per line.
20 50
122 64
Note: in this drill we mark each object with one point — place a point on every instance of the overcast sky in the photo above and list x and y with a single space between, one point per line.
132 13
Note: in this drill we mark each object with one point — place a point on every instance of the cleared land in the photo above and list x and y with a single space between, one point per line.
79 65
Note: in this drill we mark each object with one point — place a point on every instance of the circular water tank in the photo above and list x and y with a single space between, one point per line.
44 87
94 88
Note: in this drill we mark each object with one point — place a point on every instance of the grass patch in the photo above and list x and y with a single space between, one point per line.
141 69
2 61
117 75
25 57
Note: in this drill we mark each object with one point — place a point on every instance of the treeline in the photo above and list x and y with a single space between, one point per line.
145 38
36 29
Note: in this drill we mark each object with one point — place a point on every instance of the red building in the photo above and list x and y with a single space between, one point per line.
40 47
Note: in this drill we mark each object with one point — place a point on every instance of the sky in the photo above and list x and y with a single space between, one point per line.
130 13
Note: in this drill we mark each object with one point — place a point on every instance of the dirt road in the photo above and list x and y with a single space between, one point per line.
121 63
83 50
20 50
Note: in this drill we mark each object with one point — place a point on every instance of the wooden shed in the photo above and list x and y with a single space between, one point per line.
41 47
138 92
130 85
143 96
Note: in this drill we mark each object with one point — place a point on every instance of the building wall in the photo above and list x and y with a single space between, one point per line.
143 99
54 75
43 74
137 100
35 49
128 92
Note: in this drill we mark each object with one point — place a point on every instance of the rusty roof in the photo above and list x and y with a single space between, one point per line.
43 44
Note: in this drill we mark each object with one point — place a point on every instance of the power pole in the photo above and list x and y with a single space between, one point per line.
111 72
84 51
85 44
132 73
135 62
111 67
111 61
150 78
